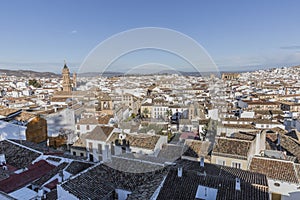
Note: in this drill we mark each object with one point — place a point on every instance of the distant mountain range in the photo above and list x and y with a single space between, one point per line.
33 74
110 74
28 73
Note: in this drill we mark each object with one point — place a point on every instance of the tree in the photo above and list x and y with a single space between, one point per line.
146 112
133 115
169 114
35 83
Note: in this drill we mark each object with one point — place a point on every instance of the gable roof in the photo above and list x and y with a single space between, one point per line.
275 169
231 147
288 144
17 155
253 185
140 140
100 133
101 181
34 172
196 148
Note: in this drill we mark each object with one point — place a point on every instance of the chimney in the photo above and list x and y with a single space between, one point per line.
237 184
285 155
257 144
61 176
278 141
40 193
202 162
260 142
2 159
179 171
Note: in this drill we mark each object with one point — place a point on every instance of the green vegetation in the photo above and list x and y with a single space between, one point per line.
34 83
169 114
133 115
146 112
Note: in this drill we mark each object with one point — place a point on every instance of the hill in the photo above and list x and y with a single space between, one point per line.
28 73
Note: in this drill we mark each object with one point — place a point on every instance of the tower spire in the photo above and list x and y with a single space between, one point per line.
65 64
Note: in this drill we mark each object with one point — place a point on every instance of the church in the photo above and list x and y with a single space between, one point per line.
68 85
67 89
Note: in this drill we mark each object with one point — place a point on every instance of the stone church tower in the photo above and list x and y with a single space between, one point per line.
67 85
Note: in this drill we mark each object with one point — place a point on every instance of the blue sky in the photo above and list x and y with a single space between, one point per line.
238 35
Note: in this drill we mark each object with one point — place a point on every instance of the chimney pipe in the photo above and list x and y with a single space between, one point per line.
179 171
202 162
237 184
40 193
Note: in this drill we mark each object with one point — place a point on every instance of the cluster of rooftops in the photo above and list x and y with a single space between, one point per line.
51 175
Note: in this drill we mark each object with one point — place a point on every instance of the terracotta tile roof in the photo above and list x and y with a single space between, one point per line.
52 185
275 169
90 120
244 135
141 140
223 171
253 185
239 119
133 166
278 130
265 121
288 144
170 152
100 133
24 116
41 147
17 181
233 147
41 181
58 93
104 119
52 195
101 181
268 112
80 143
8 111
76 167
59 99
16 155
196 148
242 126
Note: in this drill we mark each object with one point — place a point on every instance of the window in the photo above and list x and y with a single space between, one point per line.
112 149
236 165
90 146
87 127
81 154
74 153
221 162
78 127
99 148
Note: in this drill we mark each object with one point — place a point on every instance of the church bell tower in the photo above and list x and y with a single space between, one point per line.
67 85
